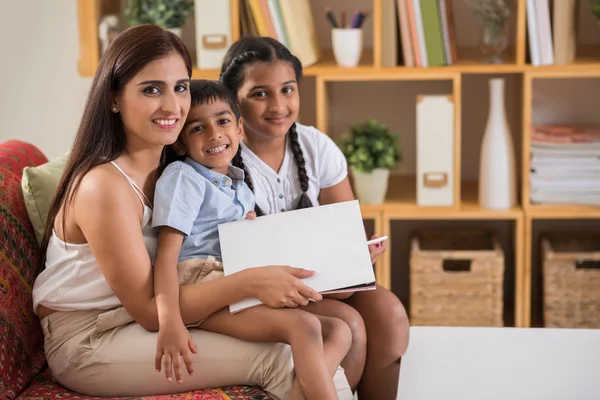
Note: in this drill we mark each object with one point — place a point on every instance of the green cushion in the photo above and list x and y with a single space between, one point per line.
39 185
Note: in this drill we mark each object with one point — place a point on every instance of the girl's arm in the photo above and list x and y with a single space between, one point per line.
336 193
108 213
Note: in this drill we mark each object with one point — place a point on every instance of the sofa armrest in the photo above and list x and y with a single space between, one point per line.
21 338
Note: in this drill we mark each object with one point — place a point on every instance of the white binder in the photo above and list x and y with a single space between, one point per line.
435 150
213 32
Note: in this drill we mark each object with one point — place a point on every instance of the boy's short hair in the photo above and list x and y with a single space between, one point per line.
204 91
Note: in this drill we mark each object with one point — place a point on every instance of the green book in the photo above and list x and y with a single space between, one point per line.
432 30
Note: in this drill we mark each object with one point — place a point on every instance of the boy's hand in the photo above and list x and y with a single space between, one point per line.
251 215
174 342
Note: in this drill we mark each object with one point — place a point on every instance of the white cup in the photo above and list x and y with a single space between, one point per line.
347 46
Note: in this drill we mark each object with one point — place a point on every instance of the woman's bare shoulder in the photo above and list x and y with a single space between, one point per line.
103 185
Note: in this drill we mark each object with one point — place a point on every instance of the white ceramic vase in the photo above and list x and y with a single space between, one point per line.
497 172
371 188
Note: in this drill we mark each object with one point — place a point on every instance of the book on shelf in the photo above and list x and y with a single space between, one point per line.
552 31
328 239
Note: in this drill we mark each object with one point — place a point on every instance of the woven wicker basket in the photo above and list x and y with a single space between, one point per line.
456 279
571 280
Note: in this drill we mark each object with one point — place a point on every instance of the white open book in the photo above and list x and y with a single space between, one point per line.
328 239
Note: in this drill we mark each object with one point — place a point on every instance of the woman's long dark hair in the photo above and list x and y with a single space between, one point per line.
243 53
101 135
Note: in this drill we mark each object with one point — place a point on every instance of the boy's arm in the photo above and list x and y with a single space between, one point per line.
166 283
178 197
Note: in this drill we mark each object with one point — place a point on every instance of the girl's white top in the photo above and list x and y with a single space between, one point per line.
279 191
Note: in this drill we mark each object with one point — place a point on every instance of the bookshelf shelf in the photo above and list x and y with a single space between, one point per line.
401 201
539 211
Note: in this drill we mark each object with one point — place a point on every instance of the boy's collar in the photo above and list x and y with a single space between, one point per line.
216 178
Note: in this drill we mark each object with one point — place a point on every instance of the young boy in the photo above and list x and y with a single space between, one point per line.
192 197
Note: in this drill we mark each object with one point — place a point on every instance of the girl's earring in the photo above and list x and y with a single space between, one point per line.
114 109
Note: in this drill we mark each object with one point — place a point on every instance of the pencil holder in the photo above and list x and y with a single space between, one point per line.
347 46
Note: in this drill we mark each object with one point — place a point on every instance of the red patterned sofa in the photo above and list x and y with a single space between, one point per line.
23 372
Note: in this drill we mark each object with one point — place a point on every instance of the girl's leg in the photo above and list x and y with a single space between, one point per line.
354 362
87 358
315 359
387 338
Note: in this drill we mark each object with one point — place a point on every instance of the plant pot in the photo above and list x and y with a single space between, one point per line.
371 188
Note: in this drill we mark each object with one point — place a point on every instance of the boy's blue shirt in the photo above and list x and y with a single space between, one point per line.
194 200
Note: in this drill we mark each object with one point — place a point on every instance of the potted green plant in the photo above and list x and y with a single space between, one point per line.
370 150
169 14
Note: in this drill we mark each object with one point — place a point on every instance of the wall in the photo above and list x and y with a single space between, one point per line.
42 95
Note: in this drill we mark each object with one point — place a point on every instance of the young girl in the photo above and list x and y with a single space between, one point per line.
192 197
290 166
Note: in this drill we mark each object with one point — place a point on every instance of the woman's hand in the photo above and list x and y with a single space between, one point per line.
377 249
280 286
174 342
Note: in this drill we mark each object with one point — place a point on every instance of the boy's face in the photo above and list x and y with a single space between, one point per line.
211 136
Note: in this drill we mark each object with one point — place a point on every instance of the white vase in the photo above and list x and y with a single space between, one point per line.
497 175
371 188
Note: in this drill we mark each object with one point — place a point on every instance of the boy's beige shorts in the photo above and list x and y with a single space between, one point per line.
106 353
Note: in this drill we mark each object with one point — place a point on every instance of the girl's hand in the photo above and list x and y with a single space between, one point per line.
280 286
251 215
174 342
377 249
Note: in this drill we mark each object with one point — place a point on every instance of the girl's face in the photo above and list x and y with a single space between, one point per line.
154 103
269 99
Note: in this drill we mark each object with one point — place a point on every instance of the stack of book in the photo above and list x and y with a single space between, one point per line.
565 164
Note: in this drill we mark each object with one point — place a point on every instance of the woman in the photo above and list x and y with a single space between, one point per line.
292 166
95 295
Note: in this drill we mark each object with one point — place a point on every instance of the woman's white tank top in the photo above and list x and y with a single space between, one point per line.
72 279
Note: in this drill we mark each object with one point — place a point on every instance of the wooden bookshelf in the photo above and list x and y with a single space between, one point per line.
401 203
